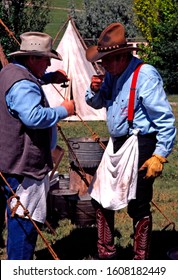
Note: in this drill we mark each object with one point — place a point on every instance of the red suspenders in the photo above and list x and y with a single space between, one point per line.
132 95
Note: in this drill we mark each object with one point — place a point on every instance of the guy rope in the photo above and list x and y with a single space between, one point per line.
10 33
26 214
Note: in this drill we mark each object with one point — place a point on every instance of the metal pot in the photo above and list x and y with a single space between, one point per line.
87 151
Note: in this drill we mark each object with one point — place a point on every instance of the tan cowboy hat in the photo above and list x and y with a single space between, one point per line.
38 44
111 40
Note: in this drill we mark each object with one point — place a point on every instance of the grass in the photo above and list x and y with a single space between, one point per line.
59 12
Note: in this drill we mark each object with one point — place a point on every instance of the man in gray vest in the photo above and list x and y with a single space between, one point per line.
28 134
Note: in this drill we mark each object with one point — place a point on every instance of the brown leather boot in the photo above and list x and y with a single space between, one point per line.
142 238
105 226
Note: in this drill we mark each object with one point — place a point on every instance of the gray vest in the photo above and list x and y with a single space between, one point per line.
23 151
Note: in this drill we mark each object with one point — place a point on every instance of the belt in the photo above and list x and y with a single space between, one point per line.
125 137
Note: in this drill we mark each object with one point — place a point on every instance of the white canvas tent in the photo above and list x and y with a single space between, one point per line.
79 70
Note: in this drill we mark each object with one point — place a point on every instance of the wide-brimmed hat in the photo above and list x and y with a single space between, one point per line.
112 39
38 44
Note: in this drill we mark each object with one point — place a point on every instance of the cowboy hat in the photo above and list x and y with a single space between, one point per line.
111 40
38 44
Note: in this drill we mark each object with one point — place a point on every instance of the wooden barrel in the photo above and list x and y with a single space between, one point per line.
59 203
59 198
82 212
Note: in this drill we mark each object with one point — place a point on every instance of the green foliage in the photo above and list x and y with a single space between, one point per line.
150 13
146 15
158 22
96 15
22 16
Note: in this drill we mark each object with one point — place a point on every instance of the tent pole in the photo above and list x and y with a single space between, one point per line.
26 213
98 69
78 34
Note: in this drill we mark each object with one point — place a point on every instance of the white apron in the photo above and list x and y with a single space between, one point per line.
115 181
33 195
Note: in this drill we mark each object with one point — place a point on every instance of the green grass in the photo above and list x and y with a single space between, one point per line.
54 26
66 3
59 12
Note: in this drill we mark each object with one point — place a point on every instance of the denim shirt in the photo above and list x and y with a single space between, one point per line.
152 111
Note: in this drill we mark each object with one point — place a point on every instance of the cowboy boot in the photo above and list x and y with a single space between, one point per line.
142 238
105 226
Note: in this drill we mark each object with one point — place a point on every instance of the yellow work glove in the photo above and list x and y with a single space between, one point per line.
154 166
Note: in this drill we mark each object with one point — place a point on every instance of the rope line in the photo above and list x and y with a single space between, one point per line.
26 213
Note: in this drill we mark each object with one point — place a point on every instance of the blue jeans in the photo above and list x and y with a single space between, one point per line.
22 235
21 239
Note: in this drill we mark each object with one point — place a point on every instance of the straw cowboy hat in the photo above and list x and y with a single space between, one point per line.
38 44
111 40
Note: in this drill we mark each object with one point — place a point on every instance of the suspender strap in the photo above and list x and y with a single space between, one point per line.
132 95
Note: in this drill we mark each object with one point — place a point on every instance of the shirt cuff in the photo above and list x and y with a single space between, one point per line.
62 112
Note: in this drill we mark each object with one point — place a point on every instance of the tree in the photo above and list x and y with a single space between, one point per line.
21 16
96 15
158 23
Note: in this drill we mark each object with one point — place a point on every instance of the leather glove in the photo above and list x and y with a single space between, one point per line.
154 166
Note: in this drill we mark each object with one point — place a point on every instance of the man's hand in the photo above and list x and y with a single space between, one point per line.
70 106
96 82
59 77
154 166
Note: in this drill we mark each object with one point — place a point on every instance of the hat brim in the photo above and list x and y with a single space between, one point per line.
52 54
93 55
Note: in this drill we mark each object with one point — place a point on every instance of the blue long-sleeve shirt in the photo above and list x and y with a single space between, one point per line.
24 101
152 111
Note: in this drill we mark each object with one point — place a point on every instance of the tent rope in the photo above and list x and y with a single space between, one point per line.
83 174
10 33
169 221
3 58
26 213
